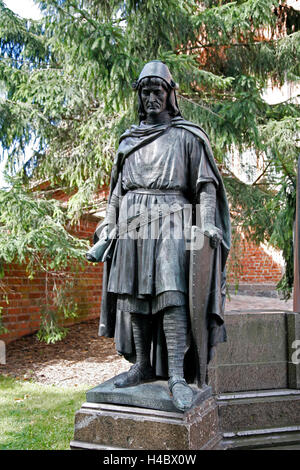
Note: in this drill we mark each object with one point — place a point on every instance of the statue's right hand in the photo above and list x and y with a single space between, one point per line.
214 233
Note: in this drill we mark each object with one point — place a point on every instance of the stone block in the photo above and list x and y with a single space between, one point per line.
258 410
244 377
255 355
293 330
105 426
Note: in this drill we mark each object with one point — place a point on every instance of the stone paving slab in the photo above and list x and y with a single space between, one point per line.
246 303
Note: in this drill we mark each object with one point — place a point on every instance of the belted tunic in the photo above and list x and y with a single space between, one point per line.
151 258
160 165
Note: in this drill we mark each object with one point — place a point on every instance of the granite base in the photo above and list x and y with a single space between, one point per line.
102 426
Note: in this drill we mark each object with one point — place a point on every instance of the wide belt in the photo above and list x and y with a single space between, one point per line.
144 218
157 192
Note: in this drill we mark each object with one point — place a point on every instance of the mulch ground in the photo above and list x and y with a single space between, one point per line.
80 358
83 358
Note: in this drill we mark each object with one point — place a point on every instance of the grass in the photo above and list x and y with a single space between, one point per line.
37 417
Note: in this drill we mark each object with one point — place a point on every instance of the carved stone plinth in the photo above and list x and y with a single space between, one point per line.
108 426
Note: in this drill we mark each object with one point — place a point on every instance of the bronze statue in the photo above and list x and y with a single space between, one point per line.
164 181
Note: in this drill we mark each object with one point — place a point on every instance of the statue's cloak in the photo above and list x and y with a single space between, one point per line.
116 324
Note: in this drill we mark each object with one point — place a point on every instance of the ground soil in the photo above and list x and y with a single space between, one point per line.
83 358
80 358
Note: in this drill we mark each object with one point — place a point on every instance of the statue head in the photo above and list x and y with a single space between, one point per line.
156 77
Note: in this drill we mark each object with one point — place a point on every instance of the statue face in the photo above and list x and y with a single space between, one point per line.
154 99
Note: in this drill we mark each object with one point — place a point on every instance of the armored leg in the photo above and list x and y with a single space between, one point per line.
141 326
141 370
175 329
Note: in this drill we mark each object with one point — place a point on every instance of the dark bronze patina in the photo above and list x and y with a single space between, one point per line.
165 314
201 267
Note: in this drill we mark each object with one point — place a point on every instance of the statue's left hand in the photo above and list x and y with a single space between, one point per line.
214 233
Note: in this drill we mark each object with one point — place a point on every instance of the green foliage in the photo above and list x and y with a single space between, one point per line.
251 209
34 233
36 230
4 297
283 207
59 306
2 327
66 83
50 331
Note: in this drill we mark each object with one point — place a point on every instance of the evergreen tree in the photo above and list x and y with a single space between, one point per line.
67 80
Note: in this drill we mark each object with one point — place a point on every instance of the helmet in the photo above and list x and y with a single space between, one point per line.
155 68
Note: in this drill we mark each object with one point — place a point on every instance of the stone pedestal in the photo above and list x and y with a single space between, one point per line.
258 353
144 418
117 427
260 419
293 330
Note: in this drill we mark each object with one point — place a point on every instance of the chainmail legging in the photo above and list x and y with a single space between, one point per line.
141 327
175 329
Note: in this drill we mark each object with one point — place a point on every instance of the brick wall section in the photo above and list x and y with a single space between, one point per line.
256 265
22 315
26 298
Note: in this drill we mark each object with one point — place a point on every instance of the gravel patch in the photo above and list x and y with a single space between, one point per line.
81 358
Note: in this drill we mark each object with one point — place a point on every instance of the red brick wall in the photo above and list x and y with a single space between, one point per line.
22 315
255 265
